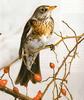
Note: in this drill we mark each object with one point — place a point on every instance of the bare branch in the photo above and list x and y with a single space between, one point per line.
16 95
61 66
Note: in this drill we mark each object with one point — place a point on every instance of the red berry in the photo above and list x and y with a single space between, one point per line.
38 77
3 82
6 70
15 89
52 65
63 91
38 96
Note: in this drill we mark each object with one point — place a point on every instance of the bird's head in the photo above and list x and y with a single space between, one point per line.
43 11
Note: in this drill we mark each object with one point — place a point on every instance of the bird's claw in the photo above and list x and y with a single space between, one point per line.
52 47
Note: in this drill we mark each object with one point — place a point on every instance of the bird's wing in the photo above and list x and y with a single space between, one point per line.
24 36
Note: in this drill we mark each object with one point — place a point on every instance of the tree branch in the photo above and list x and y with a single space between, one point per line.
61 66
15 94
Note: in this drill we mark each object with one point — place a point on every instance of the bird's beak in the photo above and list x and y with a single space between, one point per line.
51 7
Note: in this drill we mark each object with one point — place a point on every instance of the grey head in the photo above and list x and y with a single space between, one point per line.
43 11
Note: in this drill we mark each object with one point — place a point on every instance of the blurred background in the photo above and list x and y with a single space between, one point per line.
13 16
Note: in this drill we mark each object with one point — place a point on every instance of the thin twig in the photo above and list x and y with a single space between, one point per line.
68 91
11 79
55 85
61 66
2 76
54 78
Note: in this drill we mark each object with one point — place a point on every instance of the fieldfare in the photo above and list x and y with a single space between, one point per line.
35 36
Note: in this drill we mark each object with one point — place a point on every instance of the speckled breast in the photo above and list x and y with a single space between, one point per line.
41 27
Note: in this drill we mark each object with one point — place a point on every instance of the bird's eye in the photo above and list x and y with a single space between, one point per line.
43 9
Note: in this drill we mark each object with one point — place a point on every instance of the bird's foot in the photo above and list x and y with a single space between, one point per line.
52 47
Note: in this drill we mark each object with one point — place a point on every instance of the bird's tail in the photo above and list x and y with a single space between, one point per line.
25 75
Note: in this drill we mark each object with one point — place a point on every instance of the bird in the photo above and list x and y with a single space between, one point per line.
35 36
